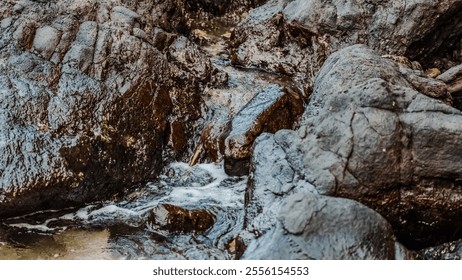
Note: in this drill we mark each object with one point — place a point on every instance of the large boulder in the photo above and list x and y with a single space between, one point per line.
369 135
307 225
92 94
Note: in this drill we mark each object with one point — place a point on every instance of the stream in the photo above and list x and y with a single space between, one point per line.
189 213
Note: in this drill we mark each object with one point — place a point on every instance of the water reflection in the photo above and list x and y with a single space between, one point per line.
67 245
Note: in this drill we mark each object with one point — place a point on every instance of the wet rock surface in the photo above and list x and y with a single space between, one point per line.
271 110
312 226
368 135
295 37
344 151
84 112
176 219
447 251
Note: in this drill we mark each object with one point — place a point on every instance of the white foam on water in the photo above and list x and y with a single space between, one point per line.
179 164
70 216
214 193
89 214
42 227
224 196
37 213
81 214
39 227
216 170
145 207
217 173
112 209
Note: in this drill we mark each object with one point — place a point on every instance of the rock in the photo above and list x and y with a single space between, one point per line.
45 41
272 109
368 135
182 17
455 86
183 175
451 74
295 37
97 96
81 53
225 104
313 226
187 55
24 33
211 142
447 251
453 78
5 23
221 7
95 110
177 219
430 87
433 72
84 112
123 15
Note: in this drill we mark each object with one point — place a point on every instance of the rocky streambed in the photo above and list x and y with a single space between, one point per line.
280 129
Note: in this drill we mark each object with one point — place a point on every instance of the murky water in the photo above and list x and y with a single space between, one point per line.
166 219
67 245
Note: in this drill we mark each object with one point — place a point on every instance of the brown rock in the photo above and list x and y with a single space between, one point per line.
273 109
177 219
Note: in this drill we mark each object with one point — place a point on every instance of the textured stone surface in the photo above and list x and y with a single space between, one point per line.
183 16
453 78
447 251
272 109
294 37
367 134
177 219
312 226
96 96
93 93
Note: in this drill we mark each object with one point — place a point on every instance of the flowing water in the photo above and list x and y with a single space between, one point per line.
166 219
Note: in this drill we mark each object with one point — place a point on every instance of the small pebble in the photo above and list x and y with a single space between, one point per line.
433 72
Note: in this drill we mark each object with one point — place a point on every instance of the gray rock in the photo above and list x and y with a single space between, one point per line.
451 74
313 226
447 251
97 95
224 104
272 109
122 15
188 56
367 134
453 78
45 41
23 35
81 53
294 37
